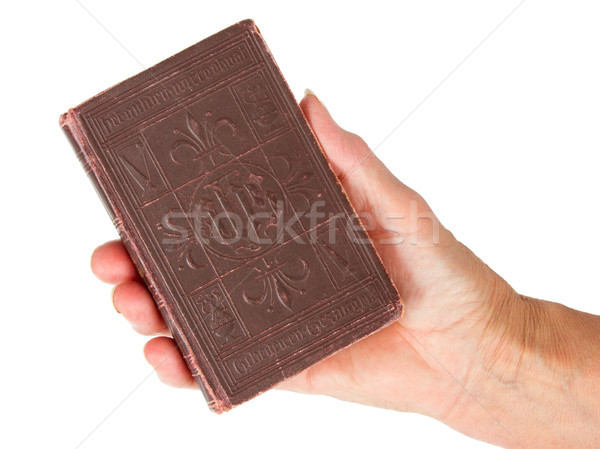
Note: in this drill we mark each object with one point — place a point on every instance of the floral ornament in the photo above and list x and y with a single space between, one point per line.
179 240
278 282
200 138
297 180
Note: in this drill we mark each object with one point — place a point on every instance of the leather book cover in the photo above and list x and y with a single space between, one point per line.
232 215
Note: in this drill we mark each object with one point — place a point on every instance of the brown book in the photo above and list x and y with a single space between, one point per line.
232 215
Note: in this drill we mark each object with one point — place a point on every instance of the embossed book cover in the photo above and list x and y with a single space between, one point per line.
232 215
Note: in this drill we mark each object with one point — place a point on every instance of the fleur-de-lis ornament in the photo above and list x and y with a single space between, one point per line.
297 179
200 138
279 283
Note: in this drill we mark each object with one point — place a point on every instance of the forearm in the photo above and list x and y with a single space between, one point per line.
538 383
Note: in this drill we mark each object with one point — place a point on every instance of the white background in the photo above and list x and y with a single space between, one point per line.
505 150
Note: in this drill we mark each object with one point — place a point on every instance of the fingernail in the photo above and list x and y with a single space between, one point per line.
113 299
308 91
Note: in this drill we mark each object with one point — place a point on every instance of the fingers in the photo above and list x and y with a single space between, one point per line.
134 302
111 263
163 355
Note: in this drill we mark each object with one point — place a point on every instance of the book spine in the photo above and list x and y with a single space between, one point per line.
198 368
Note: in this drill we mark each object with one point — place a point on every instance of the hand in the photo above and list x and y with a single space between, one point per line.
469 350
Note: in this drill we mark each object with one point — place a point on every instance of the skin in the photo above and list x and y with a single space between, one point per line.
469 350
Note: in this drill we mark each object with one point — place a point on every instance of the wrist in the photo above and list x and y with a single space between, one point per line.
535 383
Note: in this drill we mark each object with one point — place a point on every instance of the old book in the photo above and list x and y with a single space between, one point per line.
232 215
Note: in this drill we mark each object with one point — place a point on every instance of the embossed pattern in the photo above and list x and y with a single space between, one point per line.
211 143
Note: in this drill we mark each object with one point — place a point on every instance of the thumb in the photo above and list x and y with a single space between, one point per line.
372 189
344 150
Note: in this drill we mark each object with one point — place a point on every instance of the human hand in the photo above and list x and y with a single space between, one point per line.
469 350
